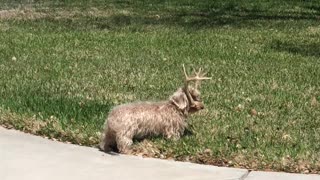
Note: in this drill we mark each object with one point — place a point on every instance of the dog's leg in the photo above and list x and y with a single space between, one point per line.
108 141
172 135
123 144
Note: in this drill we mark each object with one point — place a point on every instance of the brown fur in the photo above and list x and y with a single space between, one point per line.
140 120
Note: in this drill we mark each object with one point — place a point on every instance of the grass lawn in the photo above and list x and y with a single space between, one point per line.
65 64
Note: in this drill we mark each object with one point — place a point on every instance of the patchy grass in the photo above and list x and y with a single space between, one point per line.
65 64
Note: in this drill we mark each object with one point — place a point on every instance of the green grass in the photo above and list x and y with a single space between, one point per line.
65 64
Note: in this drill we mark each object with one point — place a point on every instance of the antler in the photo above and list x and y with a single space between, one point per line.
197 78
201 76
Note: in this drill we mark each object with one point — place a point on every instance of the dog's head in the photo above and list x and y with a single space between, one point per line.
187 99
181 101
197 104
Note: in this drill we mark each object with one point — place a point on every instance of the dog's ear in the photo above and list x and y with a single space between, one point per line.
179 99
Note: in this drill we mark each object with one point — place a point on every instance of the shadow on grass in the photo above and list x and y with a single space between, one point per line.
301 48
234 15
314 8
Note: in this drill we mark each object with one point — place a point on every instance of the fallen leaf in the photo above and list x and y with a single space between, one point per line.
253 112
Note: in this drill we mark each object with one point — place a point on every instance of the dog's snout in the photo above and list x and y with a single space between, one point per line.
200 105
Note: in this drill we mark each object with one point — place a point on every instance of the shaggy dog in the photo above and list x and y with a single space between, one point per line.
140 120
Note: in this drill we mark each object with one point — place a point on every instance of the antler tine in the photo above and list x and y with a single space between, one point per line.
198 75
186 85
200 70
197 83
194 71
197 78
201 76
185 73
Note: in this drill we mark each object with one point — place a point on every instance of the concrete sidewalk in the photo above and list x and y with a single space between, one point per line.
24 156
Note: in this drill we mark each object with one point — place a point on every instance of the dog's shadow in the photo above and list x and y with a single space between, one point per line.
114 151
188 132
